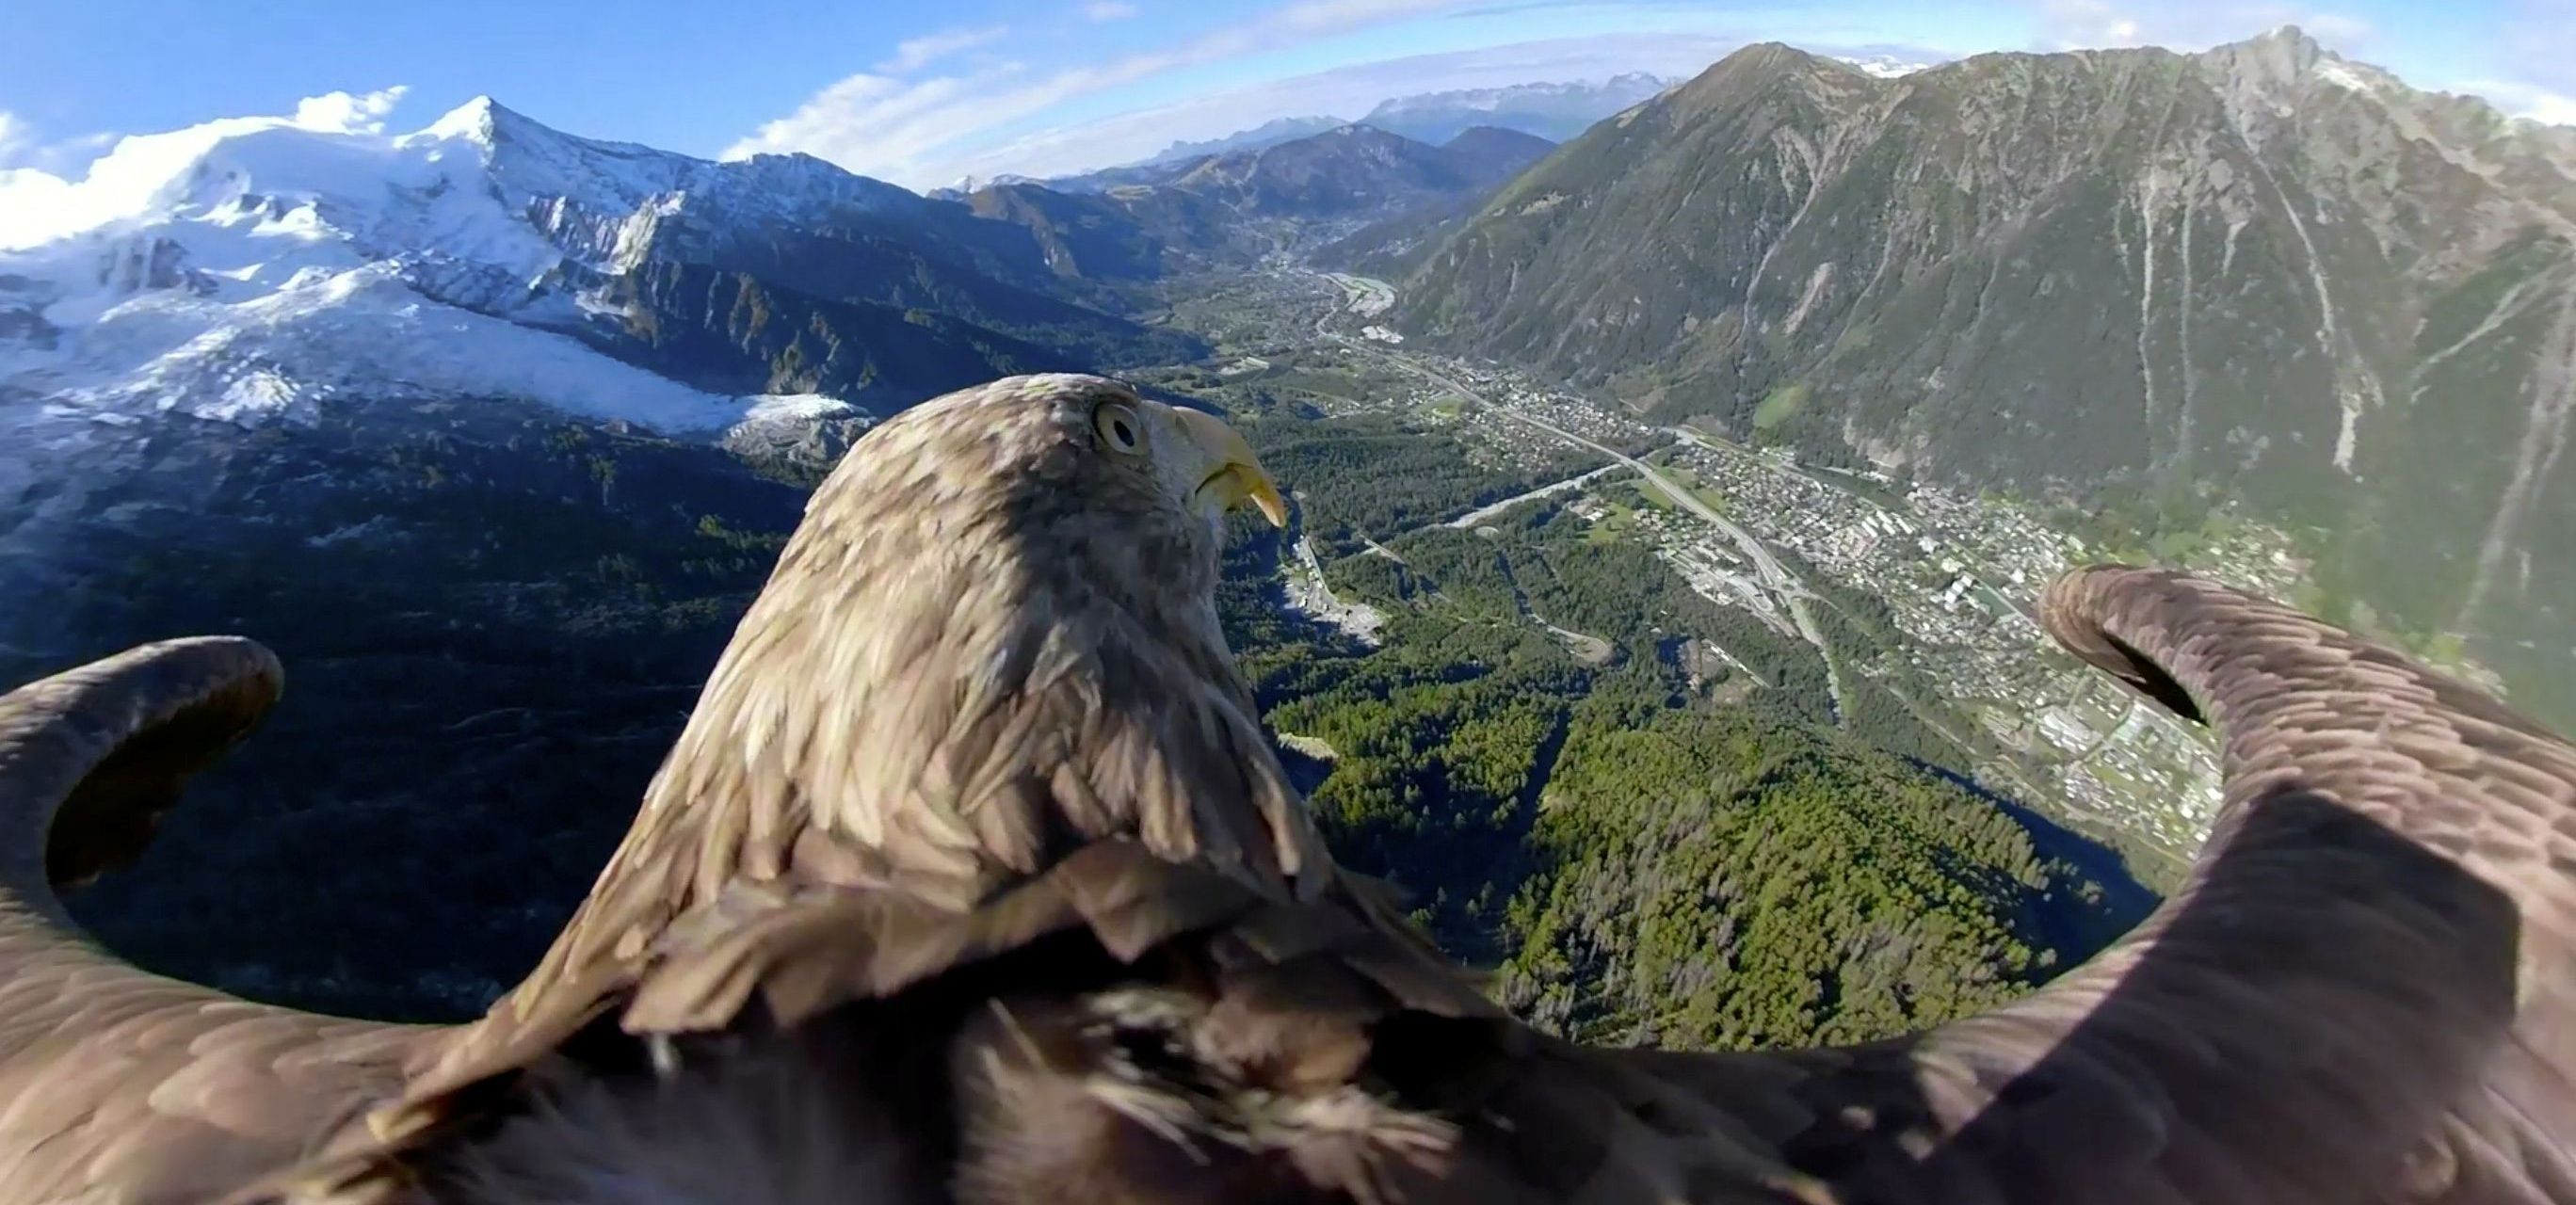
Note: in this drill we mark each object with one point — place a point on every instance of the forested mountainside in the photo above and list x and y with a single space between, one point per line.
1645 844
2151 282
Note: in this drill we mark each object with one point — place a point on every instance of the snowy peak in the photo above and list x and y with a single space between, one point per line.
1885 66
477 120
583 191
252 267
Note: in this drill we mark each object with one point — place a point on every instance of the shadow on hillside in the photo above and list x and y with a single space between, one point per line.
2094 924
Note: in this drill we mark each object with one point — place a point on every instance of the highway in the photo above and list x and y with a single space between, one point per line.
1775 576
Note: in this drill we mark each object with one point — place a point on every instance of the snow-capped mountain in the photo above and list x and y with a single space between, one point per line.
254 268
1554 111
1884 66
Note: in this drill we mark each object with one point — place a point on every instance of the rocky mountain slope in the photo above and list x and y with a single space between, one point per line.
2260 276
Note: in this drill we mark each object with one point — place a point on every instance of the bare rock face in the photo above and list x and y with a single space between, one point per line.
2261 275
798 447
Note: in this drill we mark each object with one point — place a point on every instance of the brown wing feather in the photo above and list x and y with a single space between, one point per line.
116 1084
2365 991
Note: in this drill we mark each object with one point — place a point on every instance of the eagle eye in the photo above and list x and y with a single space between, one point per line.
1117 422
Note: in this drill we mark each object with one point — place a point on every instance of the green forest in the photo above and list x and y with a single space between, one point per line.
1636 858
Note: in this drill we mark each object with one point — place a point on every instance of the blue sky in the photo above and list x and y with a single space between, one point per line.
921 93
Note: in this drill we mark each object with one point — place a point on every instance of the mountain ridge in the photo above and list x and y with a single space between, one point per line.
1550 110
244 264
1233 208
2271 257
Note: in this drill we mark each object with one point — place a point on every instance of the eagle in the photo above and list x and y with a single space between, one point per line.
972 877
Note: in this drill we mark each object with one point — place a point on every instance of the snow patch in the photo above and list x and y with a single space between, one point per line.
364 335
797 405
2348 433
1886 66
771 415
2343 76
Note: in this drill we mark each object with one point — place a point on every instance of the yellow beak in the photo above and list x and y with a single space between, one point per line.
1238 475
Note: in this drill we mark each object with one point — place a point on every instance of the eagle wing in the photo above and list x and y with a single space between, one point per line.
2364 990
117 1084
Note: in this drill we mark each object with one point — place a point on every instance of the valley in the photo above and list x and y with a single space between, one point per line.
1912 603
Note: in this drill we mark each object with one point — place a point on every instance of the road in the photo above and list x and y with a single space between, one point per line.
1775 576
1482 513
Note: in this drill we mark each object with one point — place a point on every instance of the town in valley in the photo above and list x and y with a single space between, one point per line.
1753 528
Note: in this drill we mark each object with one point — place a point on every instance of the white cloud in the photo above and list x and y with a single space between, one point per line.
2550 107
1109 10
342 112
35 207
2528 101
38 205
16 137
914 54
915 132
1347 92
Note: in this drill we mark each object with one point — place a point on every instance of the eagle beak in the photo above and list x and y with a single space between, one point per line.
1238 476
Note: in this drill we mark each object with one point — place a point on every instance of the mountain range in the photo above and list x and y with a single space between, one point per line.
1231 208
2156 287
1357 169
262 269
254 271
1553 111
1269 133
